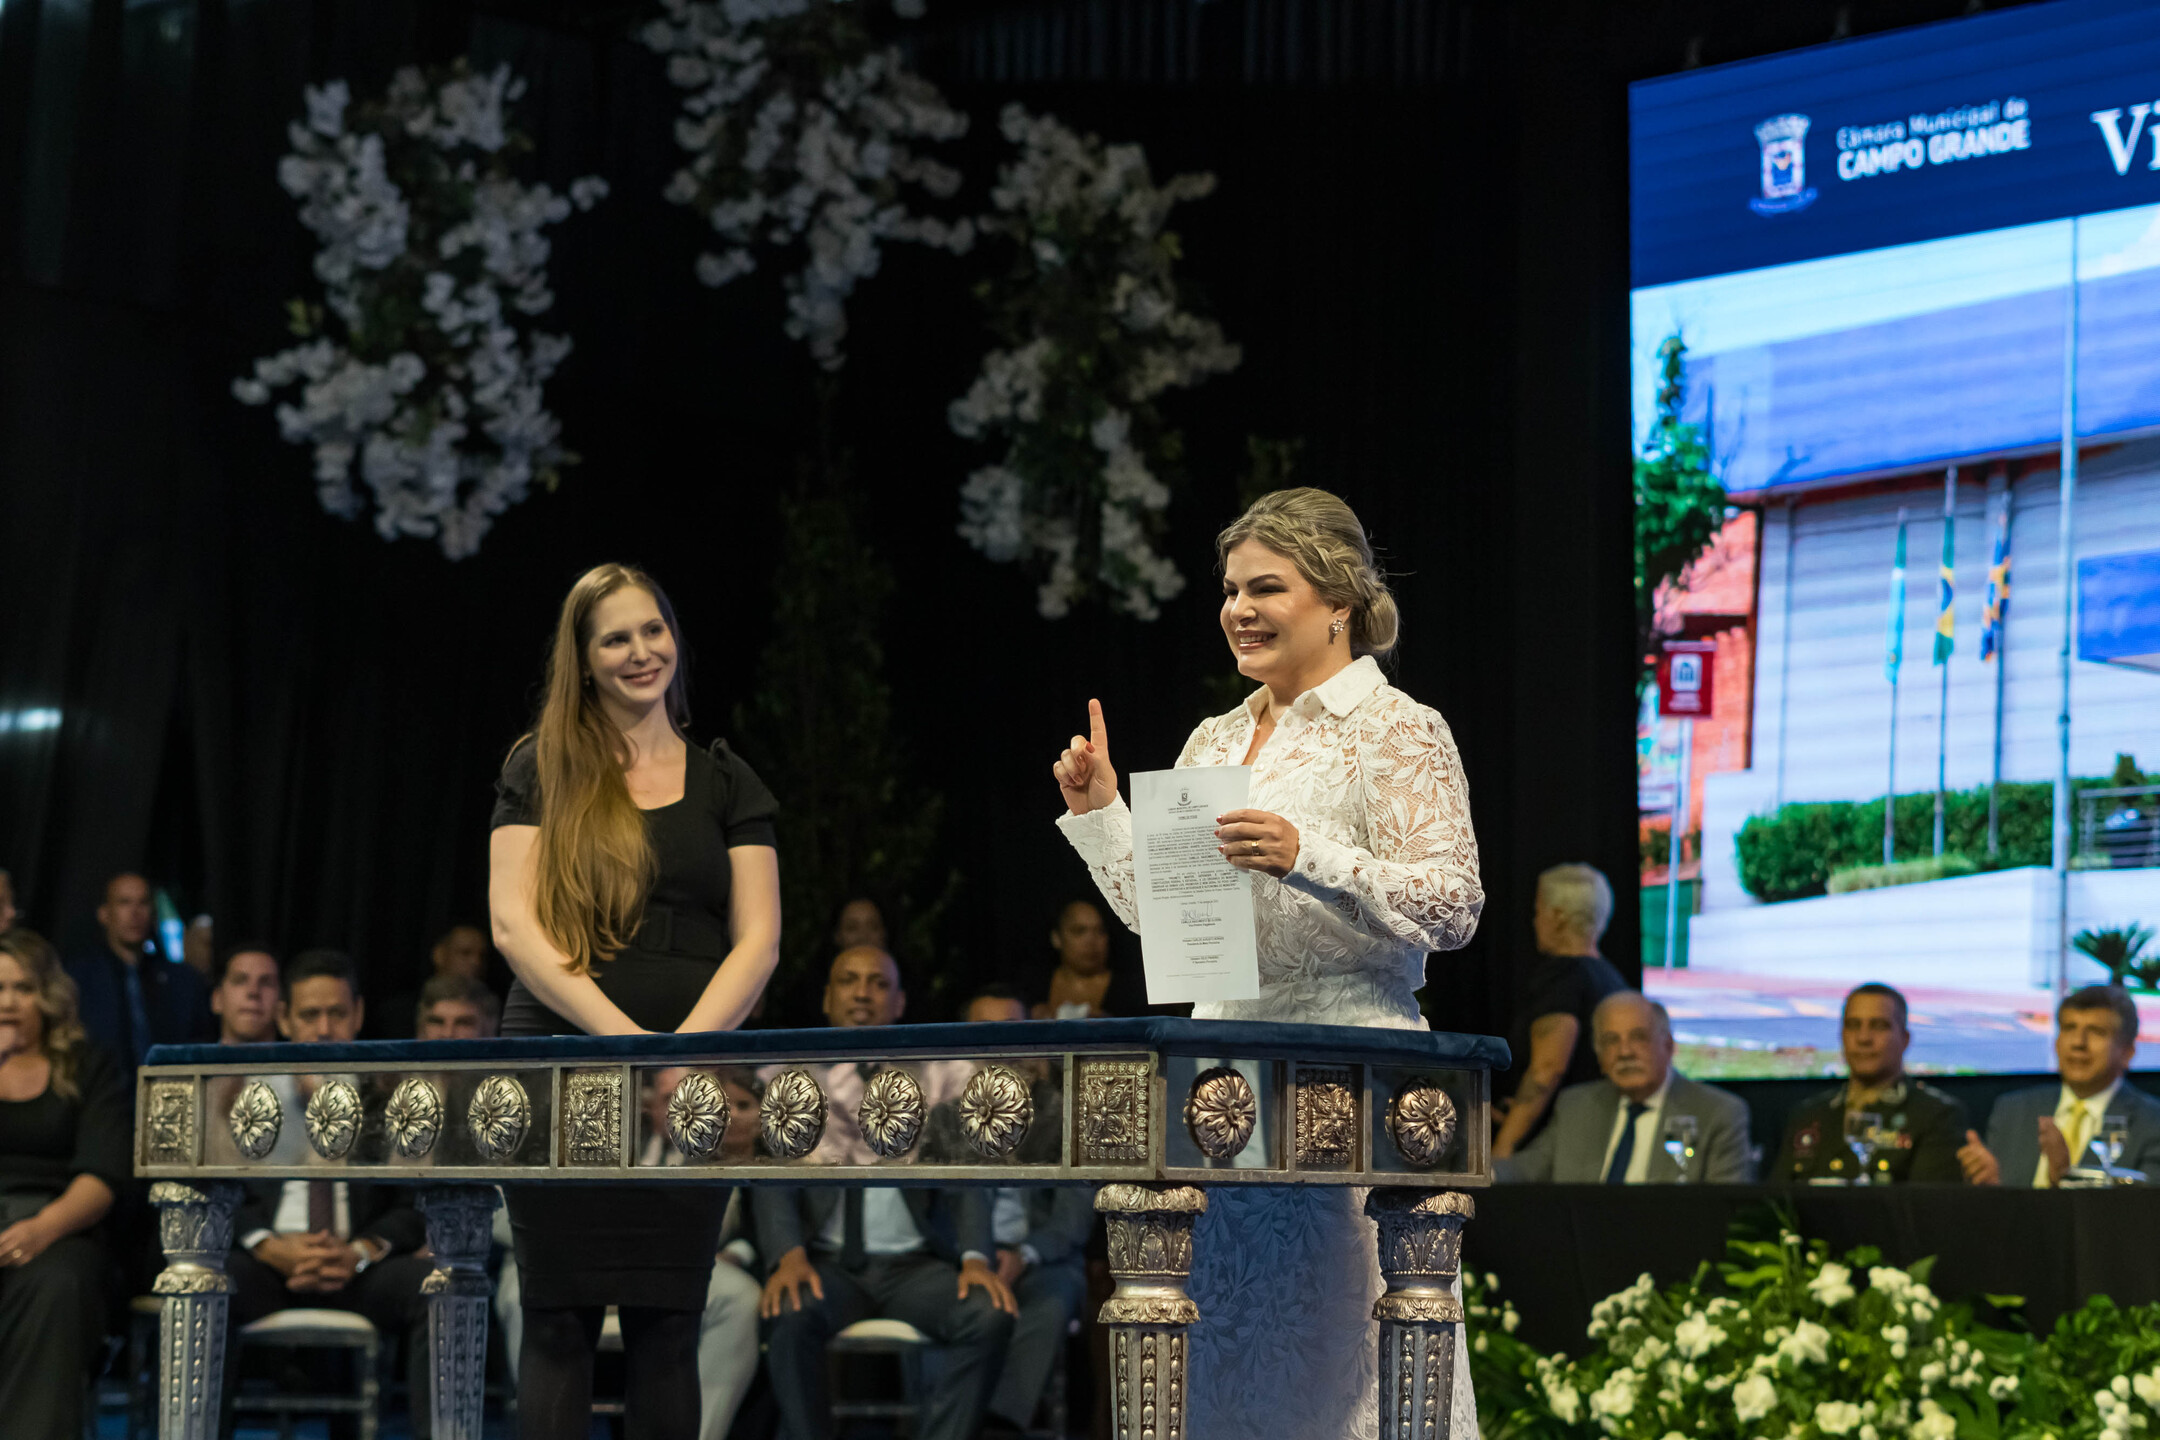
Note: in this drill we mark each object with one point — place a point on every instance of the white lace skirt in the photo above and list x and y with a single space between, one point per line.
1286 1347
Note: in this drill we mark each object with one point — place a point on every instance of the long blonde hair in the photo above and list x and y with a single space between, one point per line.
63 1040
1322 536
595 865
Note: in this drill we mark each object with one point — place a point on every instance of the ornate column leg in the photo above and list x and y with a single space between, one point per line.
460 1224
1149 1315
1419 1314
195 1225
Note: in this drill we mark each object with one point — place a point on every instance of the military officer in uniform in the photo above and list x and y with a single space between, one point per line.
1918 1128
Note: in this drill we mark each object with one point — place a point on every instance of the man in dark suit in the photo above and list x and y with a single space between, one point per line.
128 997
1614 1129
2037 1134
330 1244
1041 1234
843 1255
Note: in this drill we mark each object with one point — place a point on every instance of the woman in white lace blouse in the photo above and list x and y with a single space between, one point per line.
1358 834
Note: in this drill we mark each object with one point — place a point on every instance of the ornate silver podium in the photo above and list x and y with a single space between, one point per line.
1152 1113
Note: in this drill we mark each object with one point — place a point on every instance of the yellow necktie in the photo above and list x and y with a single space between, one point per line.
2079 1133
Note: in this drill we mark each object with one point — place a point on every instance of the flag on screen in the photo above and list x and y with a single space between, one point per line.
1945 591
1894 653
1998 587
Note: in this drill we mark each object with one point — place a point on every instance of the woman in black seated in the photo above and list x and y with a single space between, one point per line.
634 889
64 1136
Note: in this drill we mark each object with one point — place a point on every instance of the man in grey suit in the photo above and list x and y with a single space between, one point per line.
2035 1135
843 1255
1613 1130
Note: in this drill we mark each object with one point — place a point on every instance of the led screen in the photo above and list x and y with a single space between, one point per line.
1899 272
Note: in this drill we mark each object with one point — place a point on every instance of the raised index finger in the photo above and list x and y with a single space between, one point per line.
1096 732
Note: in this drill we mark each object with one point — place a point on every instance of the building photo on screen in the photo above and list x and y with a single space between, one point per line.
1895 321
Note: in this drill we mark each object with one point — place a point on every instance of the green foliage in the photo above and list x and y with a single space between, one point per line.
1783 1341
2127 773
818 730
1679 504
1904 872
1793 852
2122 951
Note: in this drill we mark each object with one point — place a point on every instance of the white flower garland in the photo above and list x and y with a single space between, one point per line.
799 125
433 262
1079 493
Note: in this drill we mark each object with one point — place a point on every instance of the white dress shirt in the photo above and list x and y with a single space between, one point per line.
1646 1134
2066 1120
888 1227
291 1215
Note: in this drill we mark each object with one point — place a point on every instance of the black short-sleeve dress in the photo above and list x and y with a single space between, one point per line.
583 1246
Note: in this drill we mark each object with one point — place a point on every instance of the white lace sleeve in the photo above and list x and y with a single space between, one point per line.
1104 839
1420 881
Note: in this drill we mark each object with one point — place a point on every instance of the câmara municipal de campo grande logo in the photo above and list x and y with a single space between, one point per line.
1784 166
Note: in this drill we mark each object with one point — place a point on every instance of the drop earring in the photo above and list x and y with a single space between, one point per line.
1333 631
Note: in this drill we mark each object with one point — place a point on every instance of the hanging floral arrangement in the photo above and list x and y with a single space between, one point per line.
1091 332
420 375
801 129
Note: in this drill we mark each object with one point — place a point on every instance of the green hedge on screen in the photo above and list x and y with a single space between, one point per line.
1793 852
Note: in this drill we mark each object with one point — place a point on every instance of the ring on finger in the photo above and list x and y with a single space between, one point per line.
1255 847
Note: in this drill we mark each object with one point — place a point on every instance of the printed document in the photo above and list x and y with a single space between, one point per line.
1196 919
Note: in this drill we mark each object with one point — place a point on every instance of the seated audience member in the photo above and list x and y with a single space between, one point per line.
728 1330
1918 1127
130 997
843 1254
1614 1129
1080 985
462 951
2036 1134
331 1244
8 912
456 1007
1041 1235
859 922
1085 985
64 1152
246 996
198 949
1550 1039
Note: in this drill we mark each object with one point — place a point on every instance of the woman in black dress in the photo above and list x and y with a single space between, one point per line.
634 888
64 1134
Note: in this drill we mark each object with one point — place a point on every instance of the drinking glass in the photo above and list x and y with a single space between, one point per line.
1680 1143
1860 1130
2114 1138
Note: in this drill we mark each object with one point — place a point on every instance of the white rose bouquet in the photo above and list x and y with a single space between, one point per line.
1091 332
1782 1344
421 373
801 131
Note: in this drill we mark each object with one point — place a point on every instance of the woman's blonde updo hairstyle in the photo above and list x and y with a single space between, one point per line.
1323 538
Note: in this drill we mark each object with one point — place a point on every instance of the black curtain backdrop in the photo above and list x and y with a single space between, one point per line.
1419 239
